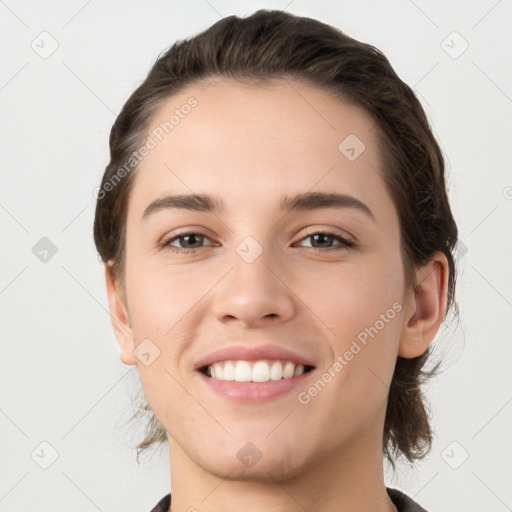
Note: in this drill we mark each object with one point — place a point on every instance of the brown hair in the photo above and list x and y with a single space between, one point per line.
275 45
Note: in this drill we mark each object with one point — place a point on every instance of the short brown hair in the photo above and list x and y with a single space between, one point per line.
275 45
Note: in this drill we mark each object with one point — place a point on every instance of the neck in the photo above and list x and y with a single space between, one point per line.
349 479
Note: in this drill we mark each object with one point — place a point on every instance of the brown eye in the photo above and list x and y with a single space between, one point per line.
186 241
325 241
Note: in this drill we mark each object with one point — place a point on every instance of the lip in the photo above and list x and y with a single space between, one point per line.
252 353
254 392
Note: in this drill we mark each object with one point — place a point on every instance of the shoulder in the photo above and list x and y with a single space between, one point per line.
403 502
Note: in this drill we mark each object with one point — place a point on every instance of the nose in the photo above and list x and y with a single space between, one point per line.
254 293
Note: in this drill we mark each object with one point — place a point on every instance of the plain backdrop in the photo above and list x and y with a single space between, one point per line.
66 70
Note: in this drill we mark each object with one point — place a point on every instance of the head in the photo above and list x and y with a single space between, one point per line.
248 111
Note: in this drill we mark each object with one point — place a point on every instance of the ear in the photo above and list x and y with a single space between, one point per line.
119 317
426 307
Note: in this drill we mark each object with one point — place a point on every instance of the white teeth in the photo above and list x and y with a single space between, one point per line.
243 372
288 370
229 371
276 372
259 371
218 371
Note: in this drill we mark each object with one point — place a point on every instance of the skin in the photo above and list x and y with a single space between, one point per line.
250 145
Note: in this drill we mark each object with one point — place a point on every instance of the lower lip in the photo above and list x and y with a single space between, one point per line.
253 392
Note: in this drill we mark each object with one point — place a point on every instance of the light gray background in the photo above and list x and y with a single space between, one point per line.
61 379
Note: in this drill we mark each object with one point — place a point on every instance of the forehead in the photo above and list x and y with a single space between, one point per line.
249 142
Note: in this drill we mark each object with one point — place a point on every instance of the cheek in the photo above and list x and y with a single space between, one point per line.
164 303
351 296
160 296
360 308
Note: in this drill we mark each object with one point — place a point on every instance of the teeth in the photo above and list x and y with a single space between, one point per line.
259 371
229 371
299 370
276 372
288 370
243 372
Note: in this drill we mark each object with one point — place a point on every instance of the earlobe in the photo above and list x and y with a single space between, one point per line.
428 307
119 317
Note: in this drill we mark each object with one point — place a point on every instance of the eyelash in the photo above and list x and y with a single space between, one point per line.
344 243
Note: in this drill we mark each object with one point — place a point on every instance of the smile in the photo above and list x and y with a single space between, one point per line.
254 371
272 379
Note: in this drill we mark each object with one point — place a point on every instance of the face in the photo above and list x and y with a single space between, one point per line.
322 279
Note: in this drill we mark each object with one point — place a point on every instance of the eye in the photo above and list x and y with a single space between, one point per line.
323 241
187 242
320 241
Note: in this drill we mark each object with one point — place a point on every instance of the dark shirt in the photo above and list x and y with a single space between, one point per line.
402 502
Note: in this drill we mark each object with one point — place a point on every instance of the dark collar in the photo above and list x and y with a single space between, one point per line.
402 501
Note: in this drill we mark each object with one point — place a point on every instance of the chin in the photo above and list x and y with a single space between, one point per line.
249 465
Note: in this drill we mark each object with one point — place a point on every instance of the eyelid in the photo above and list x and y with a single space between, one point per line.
347 237
166 240
346 241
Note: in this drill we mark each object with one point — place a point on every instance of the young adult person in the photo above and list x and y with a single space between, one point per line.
278 248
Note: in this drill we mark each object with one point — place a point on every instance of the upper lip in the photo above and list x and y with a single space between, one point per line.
252 353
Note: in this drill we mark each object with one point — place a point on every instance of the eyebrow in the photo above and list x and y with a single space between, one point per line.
300 202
